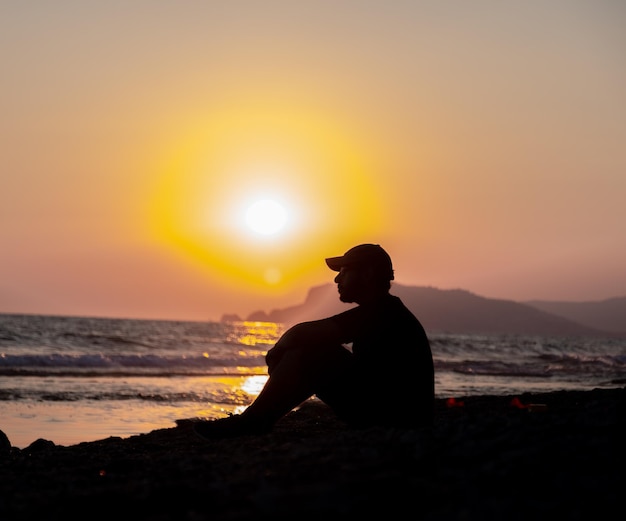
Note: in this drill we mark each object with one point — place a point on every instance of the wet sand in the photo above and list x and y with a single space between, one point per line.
559 455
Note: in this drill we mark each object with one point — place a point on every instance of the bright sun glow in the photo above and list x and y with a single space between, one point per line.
261 192
266 217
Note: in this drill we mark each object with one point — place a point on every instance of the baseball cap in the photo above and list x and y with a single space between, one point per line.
369 254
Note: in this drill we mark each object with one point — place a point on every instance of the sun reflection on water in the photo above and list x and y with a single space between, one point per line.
255 333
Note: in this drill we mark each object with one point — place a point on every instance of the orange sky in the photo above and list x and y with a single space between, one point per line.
481 143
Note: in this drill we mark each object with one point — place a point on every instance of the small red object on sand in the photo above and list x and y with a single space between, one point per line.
530 407
516 402
453 402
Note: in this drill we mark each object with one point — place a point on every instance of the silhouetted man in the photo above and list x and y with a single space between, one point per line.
371 364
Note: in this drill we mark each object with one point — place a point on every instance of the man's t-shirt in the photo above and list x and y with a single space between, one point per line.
393 363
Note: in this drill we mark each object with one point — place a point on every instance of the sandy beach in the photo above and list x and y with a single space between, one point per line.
558 455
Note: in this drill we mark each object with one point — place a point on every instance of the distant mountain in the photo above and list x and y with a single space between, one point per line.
607 315
452 311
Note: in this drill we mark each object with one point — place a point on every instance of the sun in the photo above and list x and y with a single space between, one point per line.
266 217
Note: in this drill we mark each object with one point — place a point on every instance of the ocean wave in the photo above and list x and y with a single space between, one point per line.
124 365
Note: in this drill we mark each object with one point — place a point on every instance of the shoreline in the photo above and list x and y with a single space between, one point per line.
550 454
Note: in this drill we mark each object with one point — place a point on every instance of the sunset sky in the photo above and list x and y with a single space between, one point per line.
482 143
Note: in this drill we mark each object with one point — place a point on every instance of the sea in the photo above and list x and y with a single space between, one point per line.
78 379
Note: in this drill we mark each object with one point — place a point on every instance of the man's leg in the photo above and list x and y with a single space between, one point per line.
293 379
297 377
